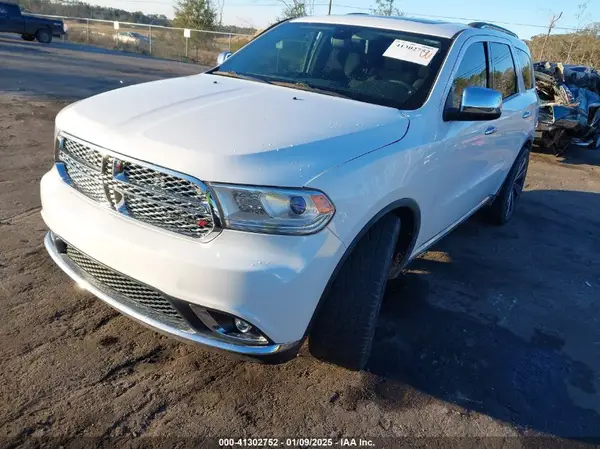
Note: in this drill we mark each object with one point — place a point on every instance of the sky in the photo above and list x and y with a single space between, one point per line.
520 13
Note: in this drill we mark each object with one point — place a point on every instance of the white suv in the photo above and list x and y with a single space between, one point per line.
269 199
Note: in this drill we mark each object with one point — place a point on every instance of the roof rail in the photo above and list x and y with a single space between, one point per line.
491 26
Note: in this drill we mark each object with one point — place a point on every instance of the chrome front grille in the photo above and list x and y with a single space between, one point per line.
84 154
150 194
138 295
87 180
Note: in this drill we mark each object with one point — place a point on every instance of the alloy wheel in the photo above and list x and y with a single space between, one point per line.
517 187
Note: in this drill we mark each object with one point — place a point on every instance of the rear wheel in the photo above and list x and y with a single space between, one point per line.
503 207
344 327
27 37
44 36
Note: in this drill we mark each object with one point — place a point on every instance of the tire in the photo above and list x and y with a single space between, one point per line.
44 36
27 37
343 330
504 205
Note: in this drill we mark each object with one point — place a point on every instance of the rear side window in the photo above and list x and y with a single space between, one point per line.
9 10
473 71
504 75
526 68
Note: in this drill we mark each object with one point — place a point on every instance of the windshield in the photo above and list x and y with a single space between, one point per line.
385 67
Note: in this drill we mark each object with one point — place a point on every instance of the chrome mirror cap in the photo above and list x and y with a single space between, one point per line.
223 56
481 103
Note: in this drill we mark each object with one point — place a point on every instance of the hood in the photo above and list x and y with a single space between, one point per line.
230 130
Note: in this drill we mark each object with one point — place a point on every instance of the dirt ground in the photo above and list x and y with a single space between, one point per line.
493 333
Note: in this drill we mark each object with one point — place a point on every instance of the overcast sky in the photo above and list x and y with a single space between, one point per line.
259 13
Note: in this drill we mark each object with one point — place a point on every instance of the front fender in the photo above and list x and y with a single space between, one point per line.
364 188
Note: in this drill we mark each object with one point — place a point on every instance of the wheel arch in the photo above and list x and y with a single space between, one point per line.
409 212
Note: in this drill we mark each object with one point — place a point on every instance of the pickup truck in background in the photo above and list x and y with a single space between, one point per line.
29 27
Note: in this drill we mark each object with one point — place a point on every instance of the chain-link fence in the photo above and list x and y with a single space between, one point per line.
200 47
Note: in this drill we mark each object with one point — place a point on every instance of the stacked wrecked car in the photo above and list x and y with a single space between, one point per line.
569 106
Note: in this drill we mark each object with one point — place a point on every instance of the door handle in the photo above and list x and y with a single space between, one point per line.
526 114
491 130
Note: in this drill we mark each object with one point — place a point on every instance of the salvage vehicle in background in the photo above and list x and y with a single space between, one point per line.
29 27
575 73
270 199
569 113
130 38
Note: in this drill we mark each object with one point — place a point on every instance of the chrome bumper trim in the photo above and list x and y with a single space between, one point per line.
80 278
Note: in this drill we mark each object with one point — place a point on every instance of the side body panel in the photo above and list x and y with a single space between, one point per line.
447 169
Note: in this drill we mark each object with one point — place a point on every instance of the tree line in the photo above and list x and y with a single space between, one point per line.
579 48
81 9
196 14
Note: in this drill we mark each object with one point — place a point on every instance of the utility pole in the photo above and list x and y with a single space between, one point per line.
551 25
329 12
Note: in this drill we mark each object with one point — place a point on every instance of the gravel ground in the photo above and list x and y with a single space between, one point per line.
493 333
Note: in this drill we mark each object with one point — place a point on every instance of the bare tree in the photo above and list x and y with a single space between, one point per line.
386 8
585 49
551 25
581 16
220 6
296 8
591 53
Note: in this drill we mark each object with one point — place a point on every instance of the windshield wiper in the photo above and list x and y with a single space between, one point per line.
295 85
309 88
240 76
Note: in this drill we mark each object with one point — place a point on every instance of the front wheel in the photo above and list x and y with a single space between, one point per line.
343 330
504 205
44 36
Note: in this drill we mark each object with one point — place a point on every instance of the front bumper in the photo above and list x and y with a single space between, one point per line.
117 301
273 282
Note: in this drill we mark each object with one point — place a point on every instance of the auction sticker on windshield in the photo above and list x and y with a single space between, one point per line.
411 52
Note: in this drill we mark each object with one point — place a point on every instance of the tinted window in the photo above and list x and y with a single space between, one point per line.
385 67
526 68
471 72
504 75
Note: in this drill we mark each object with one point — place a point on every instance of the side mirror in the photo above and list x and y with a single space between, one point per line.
223 56
477 104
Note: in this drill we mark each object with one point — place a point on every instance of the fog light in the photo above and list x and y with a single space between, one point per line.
242 326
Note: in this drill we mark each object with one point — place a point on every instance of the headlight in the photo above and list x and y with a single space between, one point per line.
273 211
